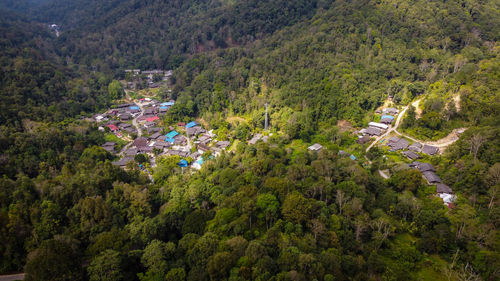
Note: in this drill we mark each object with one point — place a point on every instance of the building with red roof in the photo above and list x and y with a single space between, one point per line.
152 119
112 127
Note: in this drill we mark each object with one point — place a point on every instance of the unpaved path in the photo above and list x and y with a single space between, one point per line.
392 128
441 143
12 277
418 111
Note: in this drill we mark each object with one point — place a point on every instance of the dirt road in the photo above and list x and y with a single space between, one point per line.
12 277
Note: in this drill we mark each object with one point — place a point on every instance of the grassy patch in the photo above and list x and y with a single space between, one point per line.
113 138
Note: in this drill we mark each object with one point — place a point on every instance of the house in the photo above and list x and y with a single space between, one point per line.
415 147
131 152
124 125
195 155
204 139
203 147
195 131
387 119
169 103
109 146
152 119
163 109
431 177
100 118
148 112
393 139
343 153
223 144
315 147
443 188
146 149
153 130
399 145
378 125
191 124
430 150
372 131
154 136
129 130
390 111
124 105
149 124
172 134
140 142
353 157
255 138
411 155
125 116
123 162
180 141
181 124
363 139
134 108
112 127
422 167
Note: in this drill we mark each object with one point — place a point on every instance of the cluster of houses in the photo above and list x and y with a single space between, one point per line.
124 112
410 150
118 128
174 143
429 173
376 129
151 78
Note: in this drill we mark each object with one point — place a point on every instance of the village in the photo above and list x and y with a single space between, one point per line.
139 130
384 133
136 128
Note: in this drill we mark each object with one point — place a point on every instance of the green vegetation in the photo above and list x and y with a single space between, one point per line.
269 211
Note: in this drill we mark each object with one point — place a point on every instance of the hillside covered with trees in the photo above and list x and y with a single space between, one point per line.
270 211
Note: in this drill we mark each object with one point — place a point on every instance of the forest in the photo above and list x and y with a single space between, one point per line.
270 211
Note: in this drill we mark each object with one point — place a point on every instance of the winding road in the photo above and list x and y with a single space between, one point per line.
441 144
392 128
137 127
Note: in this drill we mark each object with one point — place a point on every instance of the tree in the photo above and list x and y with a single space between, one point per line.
269 207
115 90
410 118
55 259
107 266
176 274
476 141
219 265
155 257
296 208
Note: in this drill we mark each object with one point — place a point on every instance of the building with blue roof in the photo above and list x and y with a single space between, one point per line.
387 119
134 108
168 103
353 157
191 124
170 140
183 163
171 134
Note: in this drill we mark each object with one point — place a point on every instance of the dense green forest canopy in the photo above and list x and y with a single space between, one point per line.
271 211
